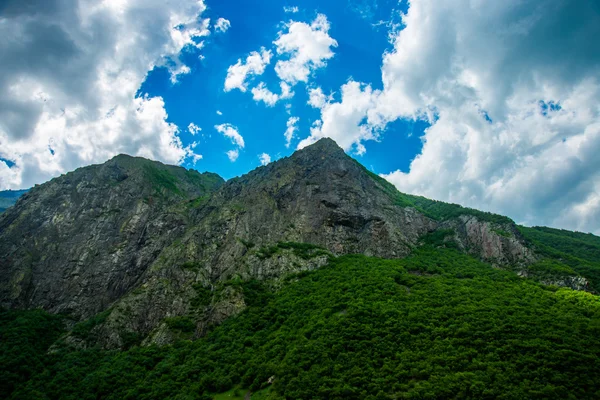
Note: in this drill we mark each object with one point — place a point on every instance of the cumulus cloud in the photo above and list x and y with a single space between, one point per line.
254 65
290 132
307 48
511 91
264 158
219 113
344 122
301 49
317 99
262 93
68 81
291 9
193 128
233 155
222 25
232 133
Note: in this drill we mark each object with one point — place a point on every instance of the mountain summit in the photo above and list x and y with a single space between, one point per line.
135 242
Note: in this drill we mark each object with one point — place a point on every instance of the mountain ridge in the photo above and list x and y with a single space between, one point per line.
162 242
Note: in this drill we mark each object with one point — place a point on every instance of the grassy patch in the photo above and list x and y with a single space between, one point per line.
161 179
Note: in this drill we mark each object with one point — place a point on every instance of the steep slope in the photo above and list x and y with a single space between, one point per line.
578 254
145 248
438 324
79 242
260 271
280 219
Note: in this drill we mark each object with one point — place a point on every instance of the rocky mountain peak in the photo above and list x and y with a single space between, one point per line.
324 146
143 241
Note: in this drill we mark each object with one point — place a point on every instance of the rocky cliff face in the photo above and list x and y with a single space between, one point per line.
155 247
496 243
79 242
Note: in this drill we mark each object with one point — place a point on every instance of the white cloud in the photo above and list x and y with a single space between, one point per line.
308 48
222 25
291 9
193 128
262 93
529 68
65 87
291 130
219 112
317 99
232 133
189 151
254 65
264 158
344 122
233 155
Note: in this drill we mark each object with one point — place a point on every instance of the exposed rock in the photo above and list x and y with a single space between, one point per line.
574 282
81 241
154 242
500 244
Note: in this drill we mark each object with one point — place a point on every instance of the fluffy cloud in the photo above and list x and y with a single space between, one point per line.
264 158
69 76
344 122
222 25
255 64
301 49
291 130
316 98
232 133
262 93
307 48
233 155
512 93
193 128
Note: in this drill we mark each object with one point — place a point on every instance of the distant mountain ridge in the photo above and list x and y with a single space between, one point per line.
10 197
130 244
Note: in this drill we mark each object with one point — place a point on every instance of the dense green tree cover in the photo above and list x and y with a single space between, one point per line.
438 324
24 338
579 251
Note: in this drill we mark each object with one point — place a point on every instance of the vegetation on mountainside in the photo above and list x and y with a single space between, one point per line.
437 210
25 336
438 324
578 251
161 179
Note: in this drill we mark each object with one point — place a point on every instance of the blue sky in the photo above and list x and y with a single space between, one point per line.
492 105
361 31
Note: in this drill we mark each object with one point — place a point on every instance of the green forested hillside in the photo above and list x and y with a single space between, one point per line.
436 325
579 251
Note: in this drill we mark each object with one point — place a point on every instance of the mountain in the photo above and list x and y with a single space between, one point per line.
9 197
81 241
141 241
275 275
